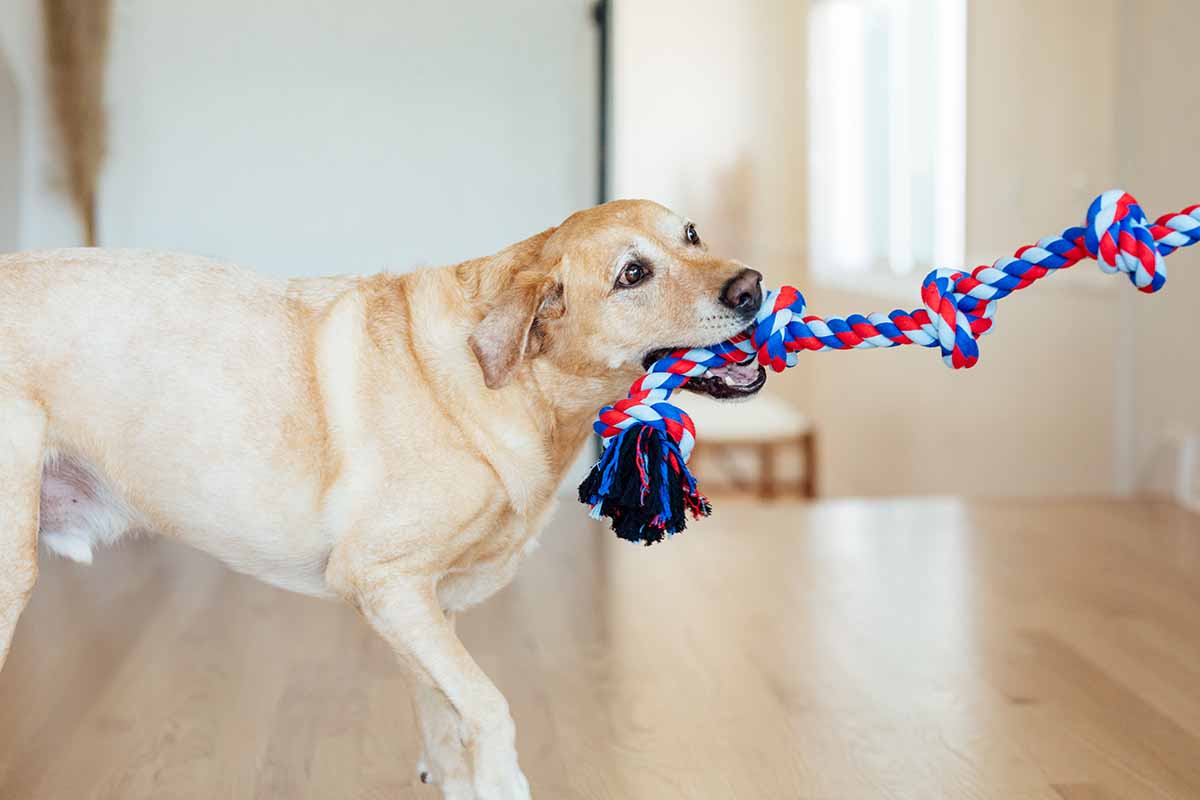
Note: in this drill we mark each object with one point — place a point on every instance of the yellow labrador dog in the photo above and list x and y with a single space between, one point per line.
394 441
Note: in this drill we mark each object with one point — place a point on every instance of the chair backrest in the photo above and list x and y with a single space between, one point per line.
765 417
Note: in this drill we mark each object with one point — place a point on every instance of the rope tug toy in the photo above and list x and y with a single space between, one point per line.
642 482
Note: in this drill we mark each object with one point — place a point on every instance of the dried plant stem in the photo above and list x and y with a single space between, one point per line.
77 34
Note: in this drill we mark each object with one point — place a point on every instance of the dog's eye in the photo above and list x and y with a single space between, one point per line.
692 236
634 273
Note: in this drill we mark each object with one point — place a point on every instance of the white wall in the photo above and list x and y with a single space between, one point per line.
320 138
10 159
46 218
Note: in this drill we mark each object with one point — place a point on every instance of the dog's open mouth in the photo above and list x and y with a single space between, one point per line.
727 382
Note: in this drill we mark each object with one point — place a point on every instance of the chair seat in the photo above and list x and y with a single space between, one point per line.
761 418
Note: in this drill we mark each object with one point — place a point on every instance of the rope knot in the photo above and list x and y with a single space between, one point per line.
773 334
1119 238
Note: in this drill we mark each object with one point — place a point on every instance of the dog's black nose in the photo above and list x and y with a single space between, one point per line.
744 291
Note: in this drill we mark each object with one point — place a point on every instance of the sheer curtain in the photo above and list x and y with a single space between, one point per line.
887 112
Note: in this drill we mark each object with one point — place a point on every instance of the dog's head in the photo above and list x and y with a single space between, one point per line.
611 290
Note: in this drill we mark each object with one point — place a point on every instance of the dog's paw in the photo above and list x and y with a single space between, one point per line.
424 773
453 787
514 787
501 779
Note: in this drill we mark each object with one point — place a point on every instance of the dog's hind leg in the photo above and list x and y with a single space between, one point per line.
22 446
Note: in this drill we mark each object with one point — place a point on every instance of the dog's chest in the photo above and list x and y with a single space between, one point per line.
465 586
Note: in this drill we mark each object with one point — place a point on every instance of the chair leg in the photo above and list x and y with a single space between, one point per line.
808 445
766 476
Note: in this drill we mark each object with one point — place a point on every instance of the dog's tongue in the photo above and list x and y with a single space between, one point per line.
736 374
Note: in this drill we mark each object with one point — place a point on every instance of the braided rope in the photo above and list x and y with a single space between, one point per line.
959 307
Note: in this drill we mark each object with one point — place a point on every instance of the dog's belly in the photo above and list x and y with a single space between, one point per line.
181 398
80 510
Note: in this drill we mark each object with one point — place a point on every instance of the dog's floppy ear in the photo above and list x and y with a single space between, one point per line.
511 329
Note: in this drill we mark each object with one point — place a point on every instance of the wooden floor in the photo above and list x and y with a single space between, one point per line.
846 650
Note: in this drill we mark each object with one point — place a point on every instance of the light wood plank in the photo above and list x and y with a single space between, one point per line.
839 650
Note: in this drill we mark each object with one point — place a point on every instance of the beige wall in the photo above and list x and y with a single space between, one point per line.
1036 415
1160 137
708 104
725 143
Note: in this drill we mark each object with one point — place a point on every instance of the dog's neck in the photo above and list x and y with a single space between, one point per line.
564 394
532 429
571 402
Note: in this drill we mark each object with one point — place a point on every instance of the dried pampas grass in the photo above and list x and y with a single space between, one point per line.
77 33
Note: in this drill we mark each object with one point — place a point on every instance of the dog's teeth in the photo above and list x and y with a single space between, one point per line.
728 380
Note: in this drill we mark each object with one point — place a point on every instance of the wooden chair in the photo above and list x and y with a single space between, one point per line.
764 447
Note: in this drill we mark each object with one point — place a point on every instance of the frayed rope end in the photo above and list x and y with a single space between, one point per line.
643 485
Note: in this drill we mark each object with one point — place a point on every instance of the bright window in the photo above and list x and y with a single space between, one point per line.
887 110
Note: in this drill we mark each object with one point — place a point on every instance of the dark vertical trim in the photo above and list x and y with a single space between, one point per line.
602 13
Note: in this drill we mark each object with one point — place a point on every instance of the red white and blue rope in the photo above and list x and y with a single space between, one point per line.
958 308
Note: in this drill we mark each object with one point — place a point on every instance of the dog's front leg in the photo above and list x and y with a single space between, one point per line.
406 613
444 759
